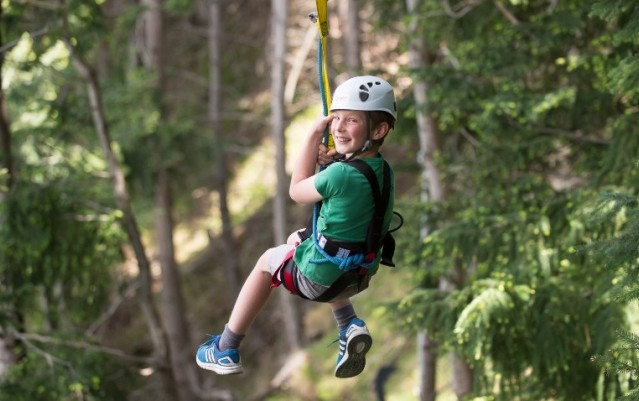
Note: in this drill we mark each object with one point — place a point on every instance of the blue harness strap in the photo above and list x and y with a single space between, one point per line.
374 237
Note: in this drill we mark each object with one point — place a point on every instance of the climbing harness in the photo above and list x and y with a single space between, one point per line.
342 257
356 258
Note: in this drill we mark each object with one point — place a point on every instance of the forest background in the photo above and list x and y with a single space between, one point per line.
144 168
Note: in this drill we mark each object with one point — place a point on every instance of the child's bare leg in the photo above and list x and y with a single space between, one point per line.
253 296
220 353
294 238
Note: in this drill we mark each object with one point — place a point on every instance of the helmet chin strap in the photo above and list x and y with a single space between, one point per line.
367 145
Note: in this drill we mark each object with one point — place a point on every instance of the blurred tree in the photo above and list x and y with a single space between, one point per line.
432 187
153 54
58 239
528 97
351 39
7 173
279 15
619 255
229 258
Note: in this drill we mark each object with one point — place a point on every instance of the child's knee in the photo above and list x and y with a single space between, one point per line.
263 262
293 239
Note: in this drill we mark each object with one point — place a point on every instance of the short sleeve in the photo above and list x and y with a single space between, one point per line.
331 181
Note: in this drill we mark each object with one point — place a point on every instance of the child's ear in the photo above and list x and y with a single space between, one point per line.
381 131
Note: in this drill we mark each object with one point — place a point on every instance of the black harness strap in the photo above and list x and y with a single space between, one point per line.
381 198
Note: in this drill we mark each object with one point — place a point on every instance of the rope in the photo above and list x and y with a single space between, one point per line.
321 19
322 64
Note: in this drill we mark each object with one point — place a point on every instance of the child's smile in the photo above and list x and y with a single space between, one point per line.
349 130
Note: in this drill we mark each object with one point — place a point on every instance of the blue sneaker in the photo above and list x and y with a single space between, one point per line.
354 343
210 357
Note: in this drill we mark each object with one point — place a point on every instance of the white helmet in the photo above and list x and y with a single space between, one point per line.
366 93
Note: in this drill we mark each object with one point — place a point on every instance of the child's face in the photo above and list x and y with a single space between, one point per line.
350 130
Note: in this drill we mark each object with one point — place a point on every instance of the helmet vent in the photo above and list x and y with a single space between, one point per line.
363 93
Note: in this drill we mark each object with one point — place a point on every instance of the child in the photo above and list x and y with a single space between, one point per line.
334 262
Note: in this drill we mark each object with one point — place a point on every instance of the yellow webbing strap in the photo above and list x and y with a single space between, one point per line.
322 25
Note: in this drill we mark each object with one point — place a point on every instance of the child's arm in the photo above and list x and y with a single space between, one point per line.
302 188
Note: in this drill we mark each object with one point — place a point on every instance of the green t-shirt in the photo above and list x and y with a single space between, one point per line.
347 209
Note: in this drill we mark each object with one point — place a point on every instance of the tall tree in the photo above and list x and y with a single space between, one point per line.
431 185
230 258
129 222
172 299
523 117
279 16
618 211
5 134
351 39
7 172
434 191
55 242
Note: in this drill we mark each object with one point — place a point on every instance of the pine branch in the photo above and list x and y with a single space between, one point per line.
628 338
633 395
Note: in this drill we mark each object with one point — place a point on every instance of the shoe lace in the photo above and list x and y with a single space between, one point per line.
210 339
337 340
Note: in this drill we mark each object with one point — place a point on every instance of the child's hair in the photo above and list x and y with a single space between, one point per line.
378 117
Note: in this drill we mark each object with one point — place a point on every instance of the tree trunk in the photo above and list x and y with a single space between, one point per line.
6 161
462 376
434 190
351 41
7 342
427 361
173 309
230 258
432 187
278 25
145 294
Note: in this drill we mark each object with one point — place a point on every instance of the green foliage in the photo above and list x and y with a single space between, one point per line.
619 255
59 231
57 374
618 251
51 237
619 165
536 108
621 361
178 6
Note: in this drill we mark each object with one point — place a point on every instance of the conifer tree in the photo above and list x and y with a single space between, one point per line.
536 105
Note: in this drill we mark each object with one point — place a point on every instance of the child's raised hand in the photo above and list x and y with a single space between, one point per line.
320 125
325 156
